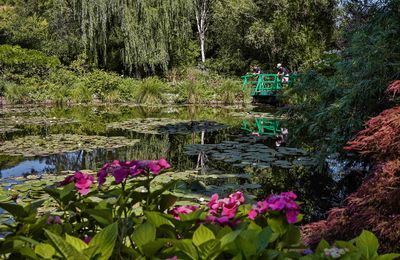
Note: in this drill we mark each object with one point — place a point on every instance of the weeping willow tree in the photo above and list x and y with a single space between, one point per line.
148 31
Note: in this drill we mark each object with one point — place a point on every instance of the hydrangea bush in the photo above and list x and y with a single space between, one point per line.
122 214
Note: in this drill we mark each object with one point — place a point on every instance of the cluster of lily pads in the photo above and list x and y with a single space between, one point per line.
15 124
254 155
166 125
30 146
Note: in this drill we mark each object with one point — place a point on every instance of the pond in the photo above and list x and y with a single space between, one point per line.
211 149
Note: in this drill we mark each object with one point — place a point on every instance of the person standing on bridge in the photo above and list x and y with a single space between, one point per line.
283 73
255 69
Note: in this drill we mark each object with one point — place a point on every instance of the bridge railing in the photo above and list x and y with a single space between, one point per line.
265 84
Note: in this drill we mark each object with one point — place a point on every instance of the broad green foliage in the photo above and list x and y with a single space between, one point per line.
291 32
15 59
29 32
350 87
133 216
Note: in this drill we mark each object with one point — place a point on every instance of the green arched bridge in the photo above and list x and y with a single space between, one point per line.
265 84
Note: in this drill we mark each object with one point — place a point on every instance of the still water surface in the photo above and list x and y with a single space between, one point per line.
211 141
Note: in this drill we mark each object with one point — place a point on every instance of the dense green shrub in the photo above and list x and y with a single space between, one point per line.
15 59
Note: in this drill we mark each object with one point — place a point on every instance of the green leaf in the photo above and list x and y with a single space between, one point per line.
167 201
202 235
368 244
104 242
103 216
157 219
144 234
277 225
263 239
223 232
209 249
191 216
158 192
66 192
229 238
247 242
66 249
291 238
45 250
254 226
152 247
16 210
322 245
388 256
77 243
55 193
26 239
186 247
28 252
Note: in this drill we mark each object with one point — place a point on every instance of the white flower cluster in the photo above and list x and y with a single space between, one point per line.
335 252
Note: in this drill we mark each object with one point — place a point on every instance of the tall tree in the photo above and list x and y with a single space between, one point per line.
202 10
288 31
145 31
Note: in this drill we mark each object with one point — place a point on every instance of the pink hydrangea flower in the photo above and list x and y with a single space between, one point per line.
102 174
120 174
164 164
283 202
82 182
183 210
121 170
223 211
253 214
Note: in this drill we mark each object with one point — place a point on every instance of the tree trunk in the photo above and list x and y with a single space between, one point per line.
203 52
202 12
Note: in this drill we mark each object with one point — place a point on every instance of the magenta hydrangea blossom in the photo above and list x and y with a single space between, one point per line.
223 211
183 210
82 182
87 239
121 170
54 220
282 202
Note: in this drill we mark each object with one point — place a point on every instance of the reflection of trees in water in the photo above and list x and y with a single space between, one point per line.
80 160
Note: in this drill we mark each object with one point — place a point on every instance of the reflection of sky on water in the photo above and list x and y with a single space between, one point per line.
26 167
74 161
57 162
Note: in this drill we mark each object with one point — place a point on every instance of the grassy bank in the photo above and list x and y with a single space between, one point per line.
29 76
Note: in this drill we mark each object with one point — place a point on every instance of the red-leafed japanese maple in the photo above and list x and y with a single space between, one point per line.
394 87
376 204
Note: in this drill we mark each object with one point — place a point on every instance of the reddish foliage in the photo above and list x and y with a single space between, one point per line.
394 87
381 139
375 206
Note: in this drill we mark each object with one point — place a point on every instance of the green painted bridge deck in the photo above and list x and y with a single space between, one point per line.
265 84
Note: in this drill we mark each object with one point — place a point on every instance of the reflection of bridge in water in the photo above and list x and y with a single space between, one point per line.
266 127
262 126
